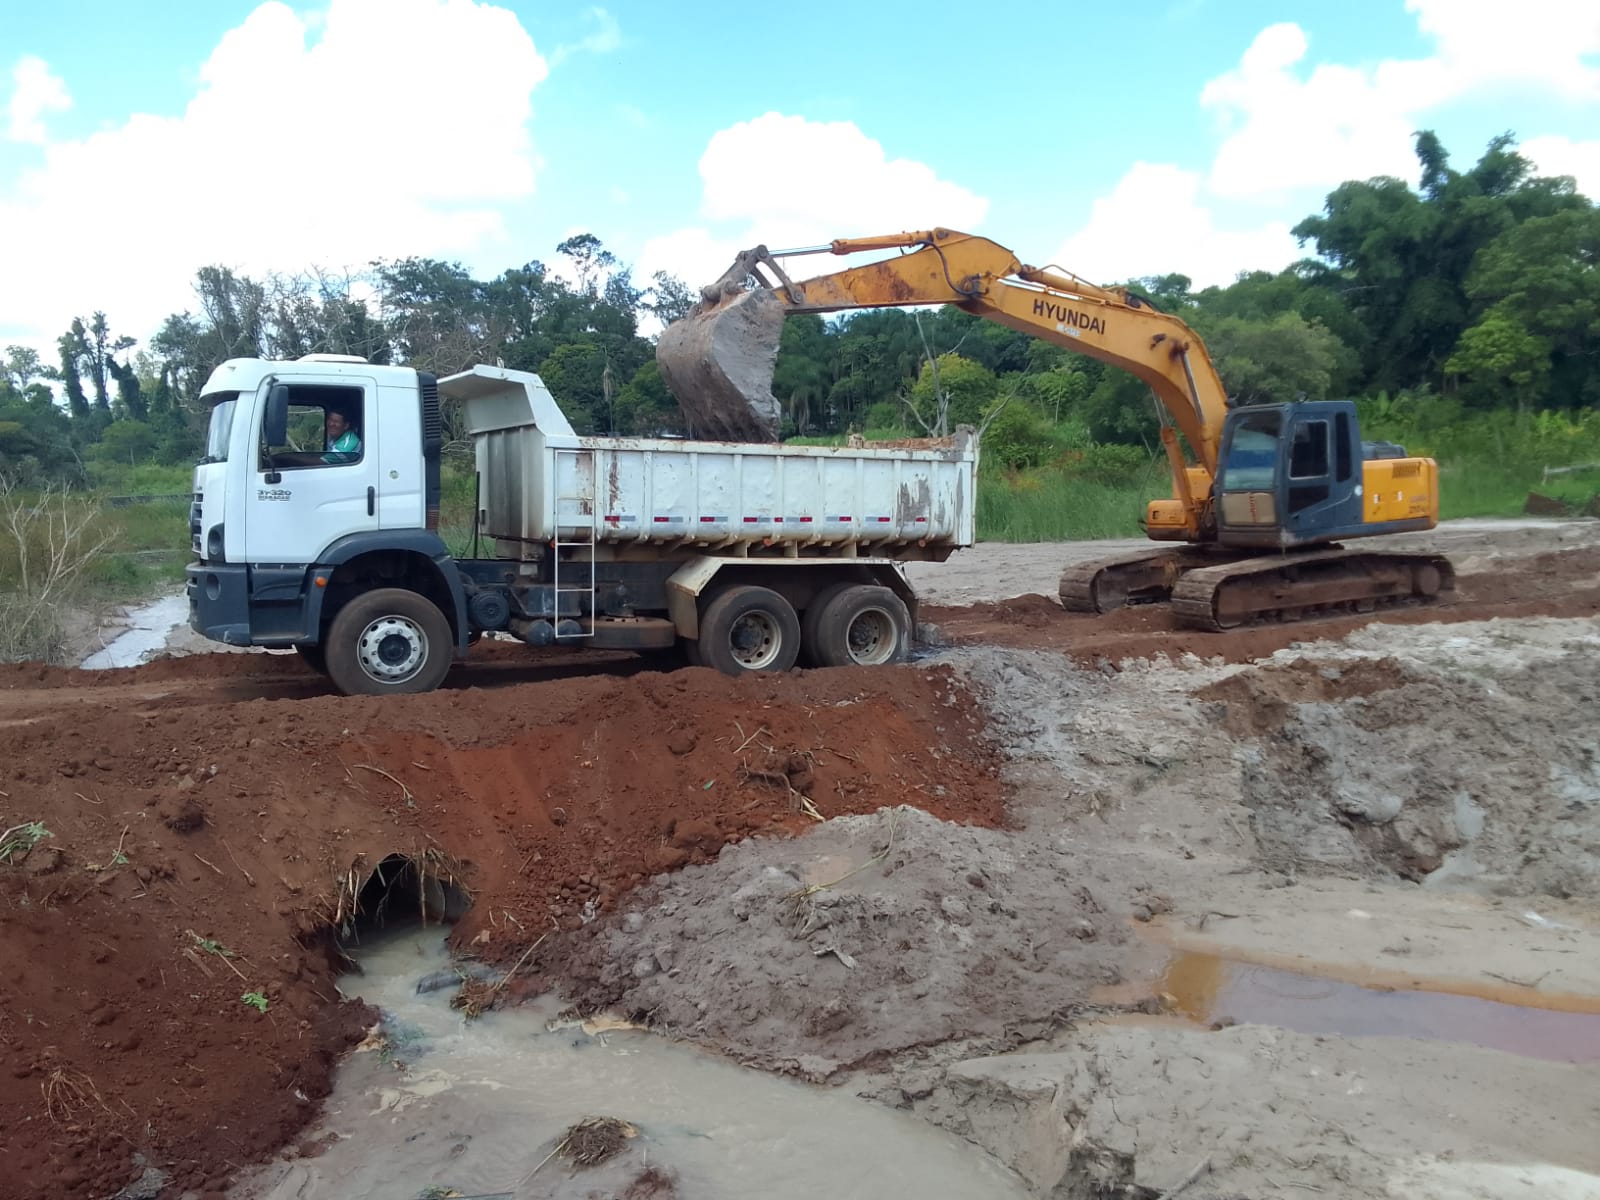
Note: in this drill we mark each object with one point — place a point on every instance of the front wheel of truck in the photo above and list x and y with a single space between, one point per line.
389 641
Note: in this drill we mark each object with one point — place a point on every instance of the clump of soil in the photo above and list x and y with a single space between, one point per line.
873 935
1494 776
1259 701
167 969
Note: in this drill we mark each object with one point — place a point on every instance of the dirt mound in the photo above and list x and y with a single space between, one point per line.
1259 702
196 858
873 935
1450 776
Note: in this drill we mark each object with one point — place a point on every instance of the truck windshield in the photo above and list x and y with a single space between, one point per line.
223 405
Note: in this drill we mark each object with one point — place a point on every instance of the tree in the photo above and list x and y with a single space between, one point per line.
803 373
589 259
1500 358
951 391
1543 277
126 442
21 367
1281 359
77 402
669 298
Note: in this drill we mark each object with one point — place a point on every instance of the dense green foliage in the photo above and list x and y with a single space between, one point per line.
1466 312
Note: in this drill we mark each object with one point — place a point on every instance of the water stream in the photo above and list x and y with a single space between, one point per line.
149 625
477 1108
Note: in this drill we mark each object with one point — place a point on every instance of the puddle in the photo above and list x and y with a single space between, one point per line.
148 628
1207 988
478 1105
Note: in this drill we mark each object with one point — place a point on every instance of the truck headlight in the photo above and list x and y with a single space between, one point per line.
214 544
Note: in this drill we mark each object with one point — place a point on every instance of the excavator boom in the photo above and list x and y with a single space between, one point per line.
723 353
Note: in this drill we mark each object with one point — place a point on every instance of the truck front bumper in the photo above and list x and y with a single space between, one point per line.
219 602
241 605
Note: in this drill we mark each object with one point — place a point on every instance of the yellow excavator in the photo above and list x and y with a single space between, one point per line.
1263 496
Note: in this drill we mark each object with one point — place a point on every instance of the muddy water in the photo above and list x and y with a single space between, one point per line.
1208 988
478 1106
148 628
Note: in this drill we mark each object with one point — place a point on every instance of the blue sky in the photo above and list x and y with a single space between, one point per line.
1112 139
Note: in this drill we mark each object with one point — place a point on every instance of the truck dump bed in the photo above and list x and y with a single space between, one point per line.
540 482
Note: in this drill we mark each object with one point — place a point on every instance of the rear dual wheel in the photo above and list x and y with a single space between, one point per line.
746 628
857 625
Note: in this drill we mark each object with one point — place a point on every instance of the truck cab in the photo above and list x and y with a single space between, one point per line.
286 518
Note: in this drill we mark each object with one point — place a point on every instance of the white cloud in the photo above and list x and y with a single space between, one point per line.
785 181
1555 155
1287 128
299 148
606 38
34 92
1153 223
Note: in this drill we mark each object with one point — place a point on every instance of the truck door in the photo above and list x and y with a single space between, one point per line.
323 482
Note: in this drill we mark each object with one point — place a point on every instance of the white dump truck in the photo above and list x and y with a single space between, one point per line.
315 524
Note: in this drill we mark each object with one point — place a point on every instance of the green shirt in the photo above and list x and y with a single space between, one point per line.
345 450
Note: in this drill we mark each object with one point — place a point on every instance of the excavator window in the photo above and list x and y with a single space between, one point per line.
1308 466
1308 458
1253 452
1343 449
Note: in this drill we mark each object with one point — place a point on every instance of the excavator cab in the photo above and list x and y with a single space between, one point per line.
1290 475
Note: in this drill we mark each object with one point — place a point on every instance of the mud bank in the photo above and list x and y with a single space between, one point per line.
1414 806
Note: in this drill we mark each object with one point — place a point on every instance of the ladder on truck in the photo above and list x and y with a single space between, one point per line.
574 530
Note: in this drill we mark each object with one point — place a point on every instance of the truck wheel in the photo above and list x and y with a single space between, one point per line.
863 626
809 619
749 628
389 641
314 656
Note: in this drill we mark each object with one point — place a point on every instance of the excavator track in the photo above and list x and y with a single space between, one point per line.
1307 585
1143 577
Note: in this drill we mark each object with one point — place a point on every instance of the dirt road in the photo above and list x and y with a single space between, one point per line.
1310 907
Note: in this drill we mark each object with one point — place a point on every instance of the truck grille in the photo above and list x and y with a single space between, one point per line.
196 534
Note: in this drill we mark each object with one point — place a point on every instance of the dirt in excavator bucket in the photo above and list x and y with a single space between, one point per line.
719 363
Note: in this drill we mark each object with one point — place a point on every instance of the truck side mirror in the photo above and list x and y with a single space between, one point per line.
275 425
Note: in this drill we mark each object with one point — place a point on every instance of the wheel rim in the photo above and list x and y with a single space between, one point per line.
872 637
755 641
392 649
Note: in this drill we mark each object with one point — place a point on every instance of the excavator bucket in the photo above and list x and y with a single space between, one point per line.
719 361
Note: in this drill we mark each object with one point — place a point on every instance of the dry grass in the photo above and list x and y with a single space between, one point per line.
67 1093
595 1140
477 996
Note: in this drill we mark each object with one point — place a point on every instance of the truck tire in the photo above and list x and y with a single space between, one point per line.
747 628
314 656
863 626
809 619
389 641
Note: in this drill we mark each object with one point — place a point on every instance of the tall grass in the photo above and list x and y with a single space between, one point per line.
1055 504
1490 461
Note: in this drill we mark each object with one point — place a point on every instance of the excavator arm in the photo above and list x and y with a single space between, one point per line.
722 355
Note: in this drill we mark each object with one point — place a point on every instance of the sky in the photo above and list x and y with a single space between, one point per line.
139 143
